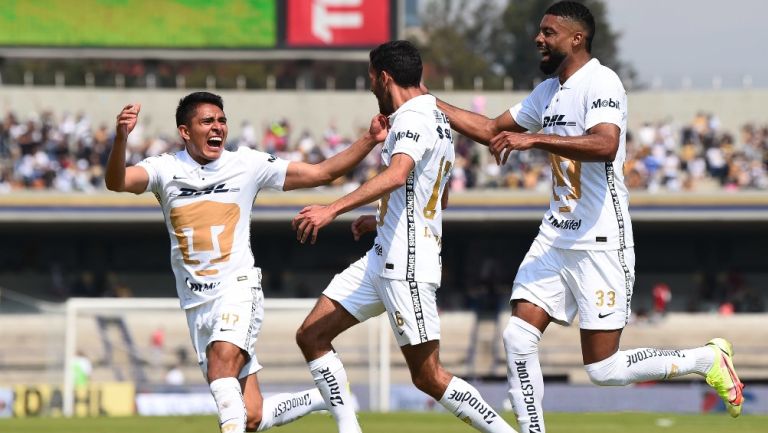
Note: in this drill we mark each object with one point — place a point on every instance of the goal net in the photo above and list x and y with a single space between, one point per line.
141 347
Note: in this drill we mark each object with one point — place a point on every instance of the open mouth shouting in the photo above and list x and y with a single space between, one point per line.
545 53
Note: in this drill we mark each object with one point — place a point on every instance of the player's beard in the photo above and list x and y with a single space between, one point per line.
386 107
550 65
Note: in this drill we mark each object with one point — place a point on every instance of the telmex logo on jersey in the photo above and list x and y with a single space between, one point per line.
201 287
564 224
606 103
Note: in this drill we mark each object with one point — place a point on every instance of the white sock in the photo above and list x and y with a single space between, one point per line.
283 408
463 400
526 383
331 379
639 365
229 400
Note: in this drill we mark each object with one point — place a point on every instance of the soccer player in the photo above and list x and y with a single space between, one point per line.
582 260
207 194
400 275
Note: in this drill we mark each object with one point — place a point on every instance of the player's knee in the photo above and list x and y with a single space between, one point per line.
224 360
431 381
428 384
308 337
301 337
520 337
607 372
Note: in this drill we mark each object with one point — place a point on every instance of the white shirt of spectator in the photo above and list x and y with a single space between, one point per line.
409 234
207 211
588 207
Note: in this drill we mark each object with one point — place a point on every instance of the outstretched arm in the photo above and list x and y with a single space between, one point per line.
118 177
312 218
303 175
476 126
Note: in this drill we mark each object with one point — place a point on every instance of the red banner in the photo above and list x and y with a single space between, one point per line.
337 23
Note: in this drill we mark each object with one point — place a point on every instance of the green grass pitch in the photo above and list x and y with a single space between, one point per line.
404 422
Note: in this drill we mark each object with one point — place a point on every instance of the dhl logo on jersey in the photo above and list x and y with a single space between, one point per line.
556 119
213 189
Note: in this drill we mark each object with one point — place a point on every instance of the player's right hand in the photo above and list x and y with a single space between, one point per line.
127 119
362 225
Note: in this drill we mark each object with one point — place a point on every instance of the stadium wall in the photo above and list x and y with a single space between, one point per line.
350 110
689 241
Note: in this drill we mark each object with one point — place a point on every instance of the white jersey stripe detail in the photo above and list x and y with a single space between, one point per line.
410 275
252 322
610 178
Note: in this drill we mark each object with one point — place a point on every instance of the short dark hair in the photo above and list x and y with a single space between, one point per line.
401 60
188 104
577 12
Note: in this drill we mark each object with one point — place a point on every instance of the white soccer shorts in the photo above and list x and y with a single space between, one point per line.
410 306
235 317
596 284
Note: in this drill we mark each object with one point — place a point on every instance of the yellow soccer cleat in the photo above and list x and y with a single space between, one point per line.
722 376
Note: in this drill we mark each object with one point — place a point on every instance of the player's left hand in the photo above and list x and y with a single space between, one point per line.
502 145
310 220
379 128
363 224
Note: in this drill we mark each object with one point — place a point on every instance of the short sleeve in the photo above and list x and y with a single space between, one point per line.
528 113
606 101
412 135
153 167
269 170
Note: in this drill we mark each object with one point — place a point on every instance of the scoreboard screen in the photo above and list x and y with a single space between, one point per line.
139 23
197 24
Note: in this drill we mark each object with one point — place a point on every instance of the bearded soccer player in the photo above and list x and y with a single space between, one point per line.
207 194
582 260
400 274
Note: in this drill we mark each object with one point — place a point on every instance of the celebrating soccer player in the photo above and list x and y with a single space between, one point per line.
207 193
400 275
583 259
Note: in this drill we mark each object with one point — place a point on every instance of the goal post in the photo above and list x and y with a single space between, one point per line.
135 316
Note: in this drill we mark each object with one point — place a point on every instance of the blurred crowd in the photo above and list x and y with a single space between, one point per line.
66 152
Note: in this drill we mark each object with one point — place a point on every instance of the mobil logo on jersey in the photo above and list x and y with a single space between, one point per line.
399 135
338 23
606 103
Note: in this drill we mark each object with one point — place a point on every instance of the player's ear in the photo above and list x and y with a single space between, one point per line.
184 132
386 78
578 39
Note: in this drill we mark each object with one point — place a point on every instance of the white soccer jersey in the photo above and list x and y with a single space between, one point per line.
409 234
588 209
207 211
